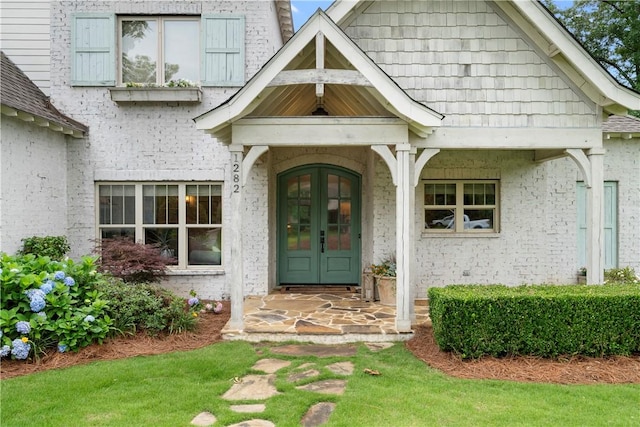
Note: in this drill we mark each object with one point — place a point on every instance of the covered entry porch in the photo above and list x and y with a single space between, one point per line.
323 318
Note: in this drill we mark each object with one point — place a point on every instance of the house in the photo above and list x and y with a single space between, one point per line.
472 140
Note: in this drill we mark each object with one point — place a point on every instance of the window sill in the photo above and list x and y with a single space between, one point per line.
198 272
482 235
156 94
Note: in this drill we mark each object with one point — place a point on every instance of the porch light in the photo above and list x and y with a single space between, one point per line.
319 111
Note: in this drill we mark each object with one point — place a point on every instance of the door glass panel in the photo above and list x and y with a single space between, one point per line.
305 186
332 211
345 187
333 183
333 240
304 238
345 237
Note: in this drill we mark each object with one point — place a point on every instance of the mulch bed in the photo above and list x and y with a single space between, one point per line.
574 370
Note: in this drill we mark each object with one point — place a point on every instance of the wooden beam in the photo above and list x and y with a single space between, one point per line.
513 138
319 131
320 62
315 76
8 111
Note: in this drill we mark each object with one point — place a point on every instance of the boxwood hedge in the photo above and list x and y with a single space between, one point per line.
540 320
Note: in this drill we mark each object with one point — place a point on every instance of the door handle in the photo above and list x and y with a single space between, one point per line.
321 241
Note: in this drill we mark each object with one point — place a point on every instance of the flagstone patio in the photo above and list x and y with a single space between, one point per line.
325 318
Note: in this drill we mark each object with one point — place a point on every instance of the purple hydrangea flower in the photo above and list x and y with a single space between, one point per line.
23 327
47 286
62 348
59 275
37 304
20 349
193 301
5 351
89 318
69 281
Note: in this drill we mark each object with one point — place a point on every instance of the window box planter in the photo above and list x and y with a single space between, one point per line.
156 94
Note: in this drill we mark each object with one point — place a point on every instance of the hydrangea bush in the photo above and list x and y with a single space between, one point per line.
49 304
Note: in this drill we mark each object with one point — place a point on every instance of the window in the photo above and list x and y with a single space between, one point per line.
153 50
159 49
184 220
461 206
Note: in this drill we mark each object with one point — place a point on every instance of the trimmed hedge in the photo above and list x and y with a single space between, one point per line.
543 320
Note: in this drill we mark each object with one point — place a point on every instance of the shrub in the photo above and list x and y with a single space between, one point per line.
547 321
47 303
55 247
621 275
130 261
146 307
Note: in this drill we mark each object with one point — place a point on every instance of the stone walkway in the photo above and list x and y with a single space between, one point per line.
319 318
261 387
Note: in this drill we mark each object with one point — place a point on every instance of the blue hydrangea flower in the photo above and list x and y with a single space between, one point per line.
62 348
59 275
1 333
20 349
47 286
89 318
23 327
0 271
33 293
69 281
37 304
193 301
5 351
42 315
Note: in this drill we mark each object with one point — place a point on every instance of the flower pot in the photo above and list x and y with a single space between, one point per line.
386 286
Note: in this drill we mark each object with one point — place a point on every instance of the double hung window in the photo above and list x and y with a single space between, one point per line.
461 206
183 220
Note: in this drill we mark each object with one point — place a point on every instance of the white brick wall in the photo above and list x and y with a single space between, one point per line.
33 195
622 164
463 60
157 141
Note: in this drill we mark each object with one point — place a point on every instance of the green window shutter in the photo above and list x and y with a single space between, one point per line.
222 50
93 51
610 224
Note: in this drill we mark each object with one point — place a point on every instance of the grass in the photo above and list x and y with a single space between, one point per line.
170 389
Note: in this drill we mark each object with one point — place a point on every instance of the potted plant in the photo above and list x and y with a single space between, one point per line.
385 278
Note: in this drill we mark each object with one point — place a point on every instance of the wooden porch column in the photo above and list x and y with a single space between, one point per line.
595 217
234 237
404 242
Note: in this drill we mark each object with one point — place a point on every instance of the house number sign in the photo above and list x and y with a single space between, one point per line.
236 172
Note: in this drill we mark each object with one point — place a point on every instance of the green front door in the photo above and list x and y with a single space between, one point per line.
318 226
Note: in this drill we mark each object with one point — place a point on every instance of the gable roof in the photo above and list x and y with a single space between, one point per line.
376 93
550 39
285 19
21 98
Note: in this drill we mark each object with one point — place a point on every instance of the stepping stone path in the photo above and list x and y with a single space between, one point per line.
262 387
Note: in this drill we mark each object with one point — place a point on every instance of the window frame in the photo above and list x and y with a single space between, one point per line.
160 48
183 227
459 208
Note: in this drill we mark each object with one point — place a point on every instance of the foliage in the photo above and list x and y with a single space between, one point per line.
55 247
47 303
547 321
621 275
610 32
146 307
407 393
130 261
387 267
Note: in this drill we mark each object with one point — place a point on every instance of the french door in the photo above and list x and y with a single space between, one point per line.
318 226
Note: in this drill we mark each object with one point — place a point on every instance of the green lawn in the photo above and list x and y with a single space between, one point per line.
170 389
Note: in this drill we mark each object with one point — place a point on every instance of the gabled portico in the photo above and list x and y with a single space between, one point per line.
320 70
